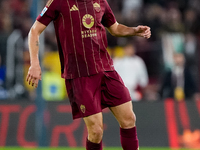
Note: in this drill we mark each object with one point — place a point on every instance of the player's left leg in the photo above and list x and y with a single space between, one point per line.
126 118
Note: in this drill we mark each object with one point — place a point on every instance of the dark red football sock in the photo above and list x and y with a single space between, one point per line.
93 146
129 140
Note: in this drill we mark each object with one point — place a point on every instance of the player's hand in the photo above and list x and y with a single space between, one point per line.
143 31
34 75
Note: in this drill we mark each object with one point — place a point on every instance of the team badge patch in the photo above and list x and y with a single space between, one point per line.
82 108
43 11
88 21
97 7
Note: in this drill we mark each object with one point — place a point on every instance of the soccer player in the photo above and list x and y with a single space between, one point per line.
91 80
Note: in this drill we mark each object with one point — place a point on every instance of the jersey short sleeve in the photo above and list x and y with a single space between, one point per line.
49 13
108 17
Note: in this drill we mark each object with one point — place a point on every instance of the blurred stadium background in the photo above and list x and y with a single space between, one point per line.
41 117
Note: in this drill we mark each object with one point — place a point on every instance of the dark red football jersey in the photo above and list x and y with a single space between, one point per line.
81 35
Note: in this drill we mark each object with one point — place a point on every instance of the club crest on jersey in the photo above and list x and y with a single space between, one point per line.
43 11
97 7
88 21
82 108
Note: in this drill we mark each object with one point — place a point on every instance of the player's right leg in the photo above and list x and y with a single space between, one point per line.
85 99
94 124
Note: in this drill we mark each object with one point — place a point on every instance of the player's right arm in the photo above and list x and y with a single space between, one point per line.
34 73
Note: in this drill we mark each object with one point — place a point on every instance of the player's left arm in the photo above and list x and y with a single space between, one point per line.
121 30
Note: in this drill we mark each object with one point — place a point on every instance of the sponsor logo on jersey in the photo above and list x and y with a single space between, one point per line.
88 33
97 7
74 8
43 11
88 21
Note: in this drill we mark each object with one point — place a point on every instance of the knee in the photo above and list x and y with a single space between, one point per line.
95 133
128 121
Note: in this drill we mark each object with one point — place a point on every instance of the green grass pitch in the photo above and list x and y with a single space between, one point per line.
67 148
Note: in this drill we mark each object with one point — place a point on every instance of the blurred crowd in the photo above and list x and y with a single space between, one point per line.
175 27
